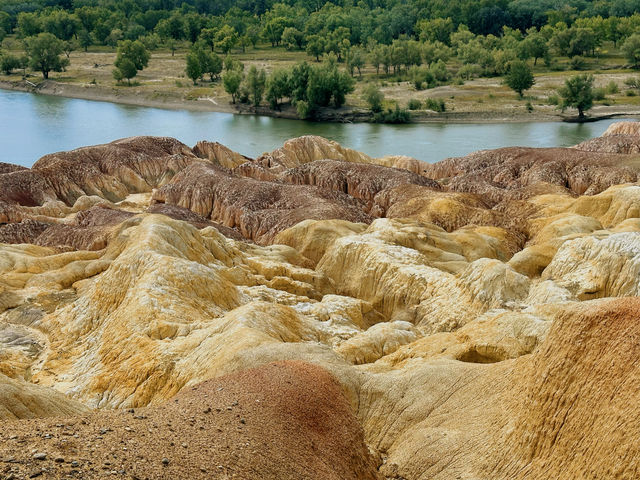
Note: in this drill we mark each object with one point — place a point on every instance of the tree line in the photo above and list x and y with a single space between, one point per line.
320 26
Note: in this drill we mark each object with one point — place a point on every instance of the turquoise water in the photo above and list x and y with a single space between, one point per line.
33 125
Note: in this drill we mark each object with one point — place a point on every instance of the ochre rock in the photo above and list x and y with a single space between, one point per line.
20 399
443 309
219 154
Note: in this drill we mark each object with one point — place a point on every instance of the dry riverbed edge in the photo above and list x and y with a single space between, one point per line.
342 115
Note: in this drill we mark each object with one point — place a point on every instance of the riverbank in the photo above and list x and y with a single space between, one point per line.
163 85
160 99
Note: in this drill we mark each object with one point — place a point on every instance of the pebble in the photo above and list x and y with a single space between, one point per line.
243 421
208 410
184 445
39 456
35 473
165 461
75 463
59 460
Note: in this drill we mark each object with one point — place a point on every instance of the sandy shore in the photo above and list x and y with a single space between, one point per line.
342 115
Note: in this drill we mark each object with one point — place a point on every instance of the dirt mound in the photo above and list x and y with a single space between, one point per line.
285 420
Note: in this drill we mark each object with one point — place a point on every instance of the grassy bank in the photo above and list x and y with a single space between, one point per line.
164 84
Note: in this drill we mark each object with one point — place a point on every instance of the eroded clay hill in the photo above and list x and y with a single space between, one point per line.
318 313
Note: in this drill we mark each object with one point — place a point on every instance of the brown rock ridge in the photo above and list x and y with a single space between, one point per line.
257 209
309 148
286 420
358 180
503 174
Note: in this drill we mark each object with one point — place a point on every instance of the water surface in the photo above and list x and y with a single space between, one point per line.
32 125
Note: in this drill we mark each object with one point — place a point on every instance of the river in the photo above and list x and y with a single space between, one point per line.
33 125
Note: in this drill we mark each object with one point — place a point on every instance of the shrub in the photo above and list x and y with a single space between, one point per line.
577 63
396 115
612 88
374 97
414 104
303 109
632 82
553 100
437 105
599 93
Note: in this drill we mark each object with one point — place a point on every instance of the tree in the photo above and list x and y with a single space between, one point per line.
44 52
68 47
8 62
533 46
125 68
374 98
278 87
231 80
355 60
436 30
631 49
292 38
132 56
256 80
315 46
213 65
274 29
134 51
193 69
84 39
577 92
519 77
226 38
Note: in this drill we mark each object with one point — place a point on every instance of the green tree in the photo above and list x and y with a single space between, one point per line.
84 39
631 50
292 38
231 80
44 52
134 51
519 77
278 87
29 24
213 65
132 56
8 63
577 92
533 46
315 46
274 29
226 38
193 68
374 97
61 23
256 81
125 68
436 30
355 60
